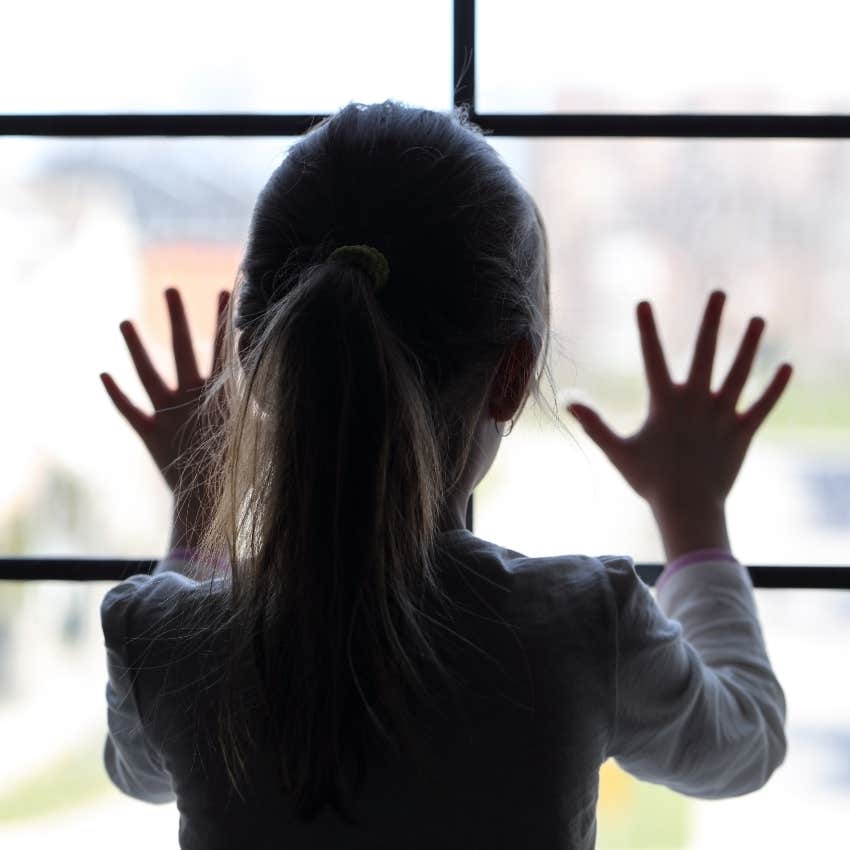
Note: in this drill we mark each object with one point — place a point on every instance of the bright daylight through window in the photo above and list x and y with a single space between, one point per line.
96 229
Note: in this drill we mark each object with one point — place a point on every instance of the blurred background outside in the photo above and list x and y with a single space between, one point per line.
93 231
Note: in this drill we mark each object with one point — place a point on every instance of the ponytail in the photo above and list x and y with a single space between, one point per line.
339 531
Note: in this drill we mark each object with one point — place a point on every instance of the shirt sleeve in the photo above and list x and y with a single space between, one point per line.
697 706
132 764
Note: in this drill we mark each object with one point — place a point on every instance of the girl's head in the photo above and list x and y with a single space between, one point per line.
468 283
358 420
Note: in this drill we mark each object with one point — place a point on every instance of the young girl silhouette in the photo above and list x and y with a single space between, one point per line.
327 657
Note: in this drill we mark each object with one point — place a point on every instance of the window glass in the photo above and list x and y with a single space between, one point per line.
54 790
97 230
92 56
94 232
806 799
662 55
669 221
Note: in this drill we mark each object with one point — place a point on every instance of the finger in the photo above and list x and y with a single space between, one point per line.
706 344
754 417
139 421
597 430
150 378
743 363
181 341
657 374
221 323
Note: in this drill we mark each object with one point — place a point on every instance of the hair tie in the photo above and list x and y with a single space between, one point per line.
365 257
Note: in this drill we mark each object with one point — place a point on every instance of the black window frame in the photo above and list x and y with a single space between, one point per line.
550 125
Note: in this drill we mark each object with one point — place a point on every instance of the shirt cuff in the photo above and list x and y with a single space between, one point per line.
695 556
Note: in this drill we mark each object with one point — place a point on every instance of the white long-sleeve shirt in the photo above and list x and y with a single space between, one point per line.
584 665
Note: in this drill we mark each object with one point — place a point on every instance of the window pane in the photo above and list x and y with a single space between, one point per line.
662 55
97 230
807 798
54 791
93 233
670 221
201 57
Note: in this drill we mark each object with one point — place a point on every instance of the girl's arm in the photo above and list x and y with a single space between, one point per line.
697 706
187 525
132 764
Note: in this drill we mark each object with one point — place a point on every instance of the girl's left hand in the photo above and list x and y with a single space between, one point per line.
172 429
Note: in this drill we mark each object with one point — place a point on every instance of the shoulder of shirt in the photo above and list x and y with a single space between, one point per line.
134 605
144 586
523 568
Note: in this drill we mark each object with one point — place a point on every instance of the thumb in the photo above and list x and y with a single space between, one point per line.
596 429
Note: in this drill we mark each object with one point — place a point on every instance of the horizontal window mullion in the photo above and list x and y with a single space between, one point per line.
165 124
703 126
532 126
624 125
791 576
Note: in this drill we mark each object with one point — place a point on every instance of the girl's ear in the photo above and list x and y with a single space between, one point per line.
513 376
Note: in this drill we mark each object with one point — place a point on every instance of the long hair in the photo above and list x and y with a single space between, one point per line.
349 415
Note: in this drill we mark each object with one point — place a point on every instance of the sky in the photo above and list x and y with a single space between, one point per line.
199 56
649 54
98 55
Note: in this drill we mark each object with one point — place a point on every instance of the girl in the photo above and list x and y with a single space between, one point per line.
361 670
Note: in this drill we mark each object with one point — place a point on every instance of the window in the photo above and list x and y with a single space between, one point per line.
96 228
661 56
195 57
670 220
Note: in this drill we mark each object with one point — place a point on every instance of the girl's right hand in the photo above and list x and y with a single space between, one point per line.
689 450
